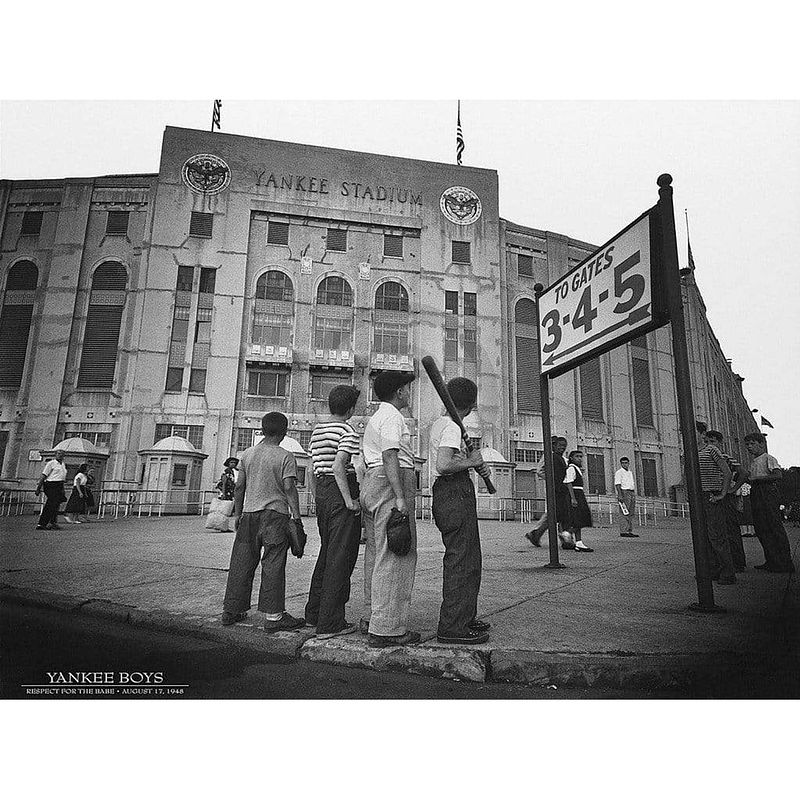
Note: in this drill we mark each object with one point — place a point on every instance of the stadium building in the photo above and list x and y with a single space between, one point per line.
251 275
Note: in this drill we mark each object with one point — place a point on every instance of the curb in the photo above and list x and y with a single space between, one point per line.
574 670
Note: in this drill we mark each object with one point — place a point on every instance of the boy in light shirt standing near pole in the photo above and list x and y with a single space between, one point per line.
625 486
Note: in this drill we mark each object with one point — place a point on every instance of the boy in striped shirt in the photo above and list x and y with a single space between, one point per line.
333 445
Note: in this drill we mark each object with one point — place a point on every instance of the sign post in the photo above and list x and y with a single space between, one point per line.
683 385
625 289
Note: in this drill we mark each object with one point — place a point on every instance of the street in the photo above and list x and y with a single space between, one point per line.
36 641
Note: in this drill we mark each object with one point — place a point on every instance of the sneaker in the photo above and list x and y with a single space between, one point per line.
342 632
580 547
286 623
761 566
229 618
479 625
567 540
409 637
473 637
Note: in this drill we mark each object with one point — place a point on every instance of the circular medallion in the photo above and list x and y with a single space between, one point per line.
460 205
206 174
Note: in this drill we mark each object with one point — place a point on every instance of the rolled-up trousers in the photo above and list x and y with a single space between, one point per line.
456 517
258 531
388 578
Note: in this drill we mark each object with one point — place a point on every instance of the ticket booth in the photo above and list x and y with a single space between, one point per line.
500 505
79 451
171 476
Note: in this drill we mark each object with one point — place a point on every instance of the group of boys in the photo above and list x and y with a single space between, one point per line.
721 480
267 519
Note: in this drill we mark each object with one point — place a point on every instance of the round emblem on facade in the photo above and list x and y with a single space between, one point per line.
206 174
460 205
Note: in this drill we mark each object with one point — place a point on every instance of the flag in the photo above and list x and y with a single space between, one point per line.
459 137
765 421
216 117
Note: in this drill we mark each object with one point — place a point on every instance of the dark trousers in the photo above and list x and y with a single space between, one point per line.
734 533
54 492
768 524
456 517
259 530
340 536
718 541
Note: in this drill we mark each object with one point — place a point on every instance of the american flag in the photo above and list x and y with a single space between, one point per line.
216 117
459 137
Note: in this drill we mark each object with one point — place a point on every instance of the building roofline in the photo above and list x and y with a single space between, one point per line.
517 228
58 181
333 149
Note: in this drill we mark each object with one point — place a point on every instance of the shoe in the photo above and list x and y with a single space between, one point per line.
41 527
725 581
534 537
311 626
68 521
54 527
629 535
228 618
473 637
342 632
761 566
363 626
479 625
286 623
409 637
580 547
567 540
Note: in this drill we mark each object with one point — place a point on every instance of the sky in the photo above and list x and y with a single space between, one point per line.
581 168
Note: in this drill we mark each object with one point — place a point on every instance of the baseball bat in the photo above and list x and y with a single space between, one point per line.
444 395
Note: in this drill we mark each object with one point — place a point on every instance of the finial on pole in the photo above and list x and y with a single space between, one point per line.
664 180
538 288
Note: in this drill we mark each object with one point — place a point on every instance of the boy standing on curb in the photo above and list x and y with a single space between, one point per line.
333 445
265 505
456 515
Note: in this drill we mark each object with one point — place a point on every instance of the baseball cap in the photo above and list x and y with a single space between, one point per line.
388 382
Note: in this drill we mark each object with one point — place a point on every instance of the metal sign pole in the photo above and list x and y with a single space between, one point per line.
550 487
669 249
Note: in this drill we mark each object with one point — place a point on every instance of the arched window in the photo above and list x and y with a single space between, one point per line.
103 320
526 340
391 323
333 318
273 312
15 322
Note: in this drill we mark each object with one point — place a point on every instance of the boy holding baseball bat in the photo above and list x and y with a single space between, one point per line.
456 515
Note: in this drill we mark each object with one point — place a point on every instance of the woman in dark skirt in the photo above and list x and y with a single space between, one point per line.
76 505
580 516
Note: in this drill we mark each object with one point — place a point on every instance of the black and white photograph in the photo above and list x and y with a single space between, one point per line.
417 399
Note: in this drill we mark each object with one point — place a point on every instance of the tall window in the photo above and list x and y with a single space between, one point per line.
333 323
596 473
527 351
15 322
649 480
32 223
391 319
524 265
273 315
642 396
101 336
591 390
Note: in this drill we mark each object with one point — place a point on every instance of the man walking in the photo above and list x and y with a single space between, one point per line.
563 505
625 487
456 515
715 477
52 483
765 477
389 483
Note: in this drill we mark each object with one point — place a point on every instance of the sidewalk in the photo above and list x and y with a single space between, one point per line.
615 617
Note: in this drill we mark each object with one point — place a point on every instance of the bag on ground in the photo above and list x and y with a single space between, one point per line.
224 507
217 522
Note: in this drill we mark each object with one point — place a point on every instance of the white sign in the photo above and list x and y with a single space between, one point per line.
604 299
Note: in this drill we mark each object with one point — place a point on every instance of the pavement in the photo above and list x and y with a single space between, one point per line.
618 617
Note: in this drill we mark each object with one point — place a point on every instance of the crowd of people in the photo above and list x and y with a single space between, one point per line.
268 524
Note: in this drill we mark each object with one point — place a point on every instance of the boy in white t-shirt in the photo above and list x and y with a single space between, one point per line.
456 516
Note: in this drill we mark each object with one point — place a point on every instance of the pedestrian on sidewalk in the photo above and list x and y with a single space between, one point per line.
333 445
580 516
76 505
562 509
625 487
764 479
455 511
389 483
52 483
226 485
265 505
91 502
738 477
715 477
